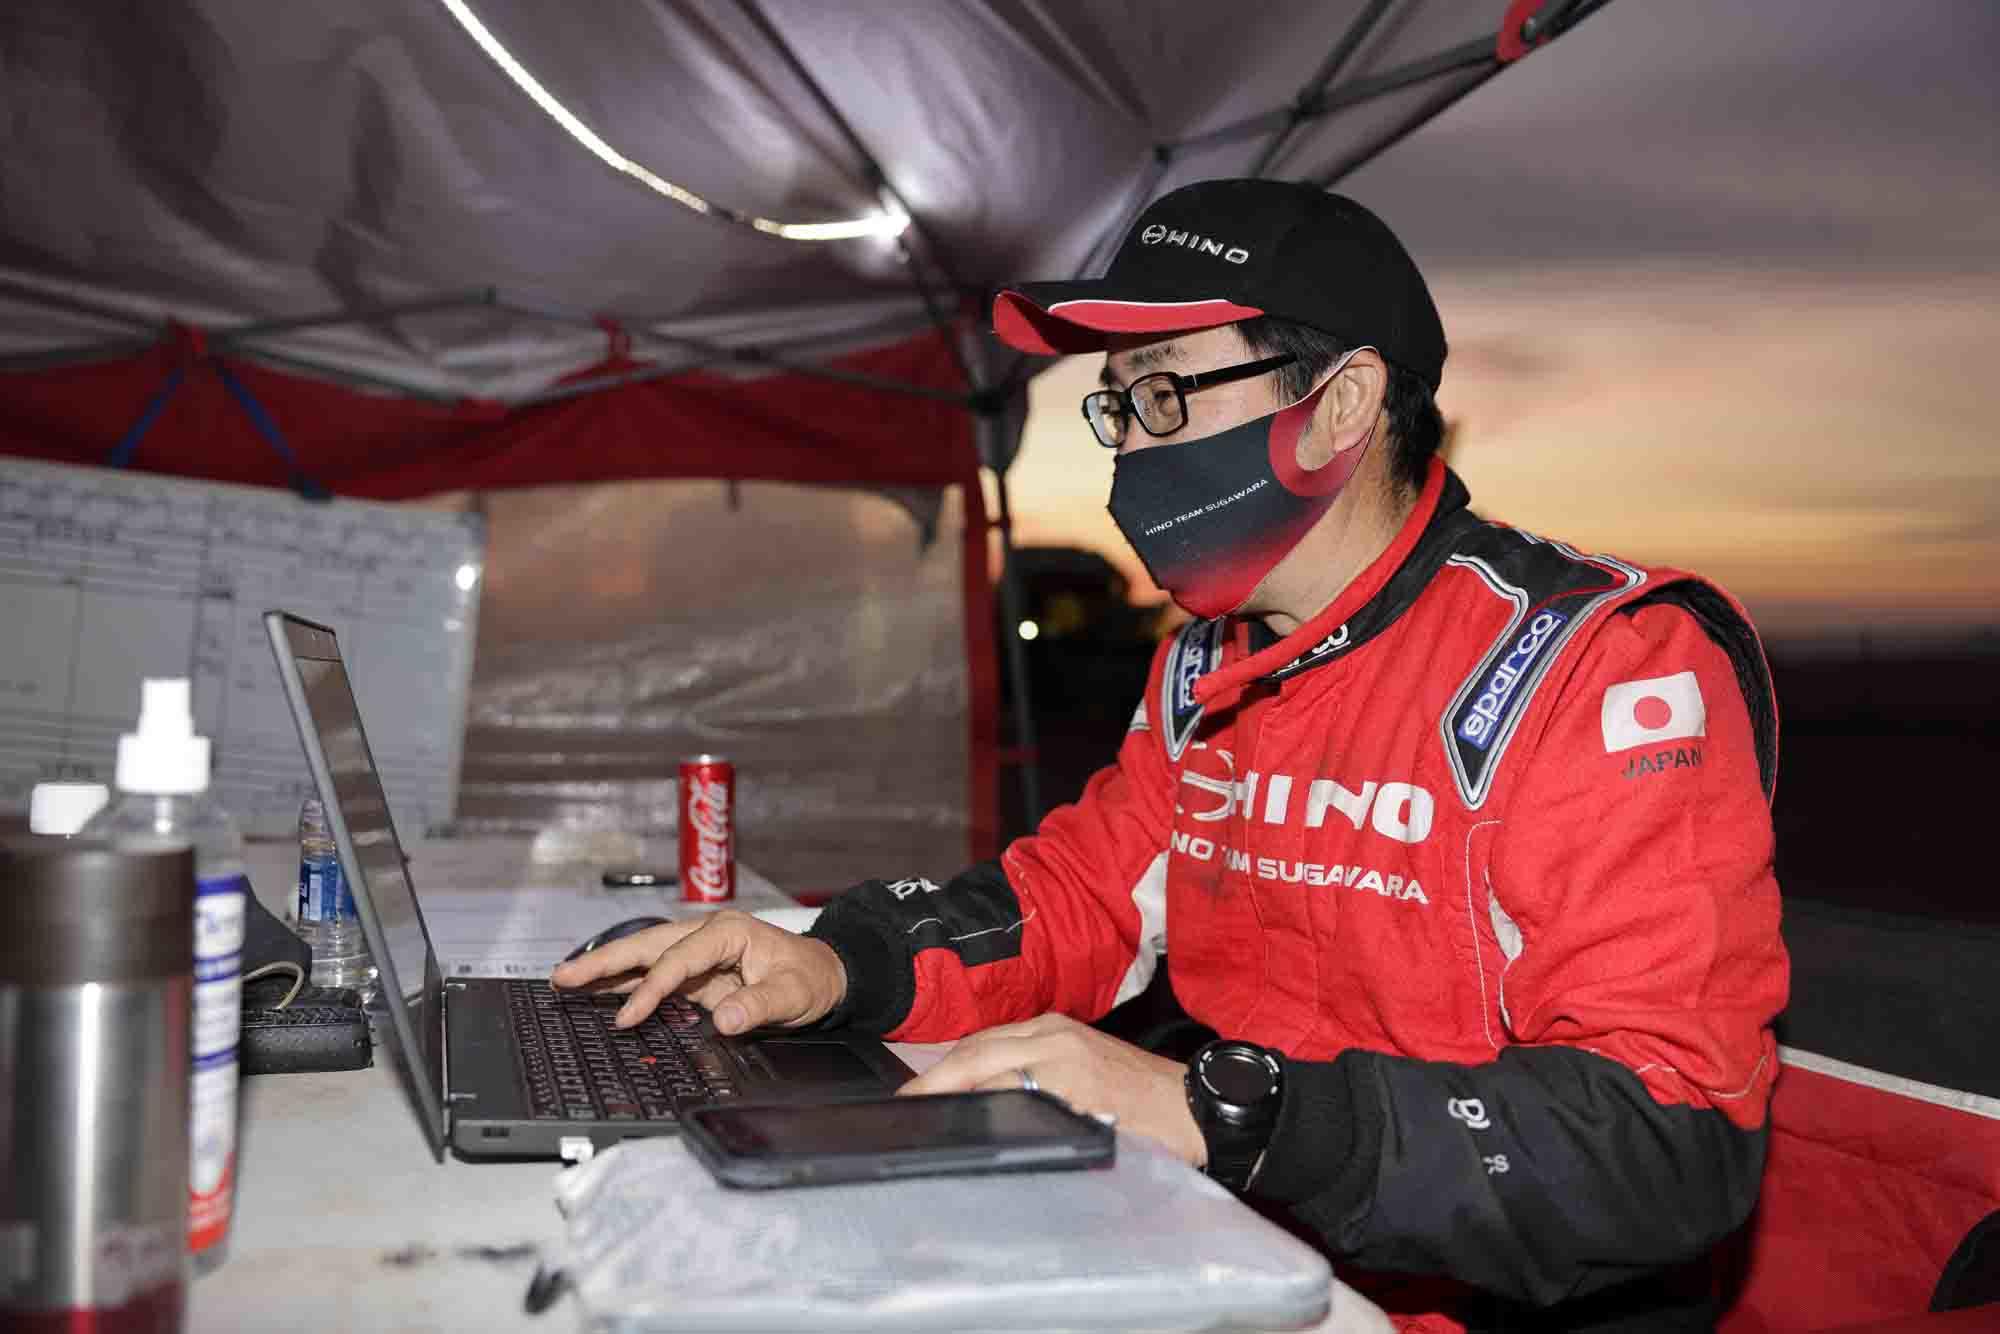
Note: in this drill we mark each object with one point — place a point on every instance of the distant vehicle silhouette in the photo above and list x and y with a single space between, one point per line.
1072 593
1087 649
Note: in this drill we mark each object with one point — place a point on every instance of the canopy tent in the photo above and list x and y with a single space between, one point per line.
393 247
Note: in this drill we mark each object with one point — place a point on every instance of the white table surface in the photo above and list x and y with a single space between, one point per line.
345 1221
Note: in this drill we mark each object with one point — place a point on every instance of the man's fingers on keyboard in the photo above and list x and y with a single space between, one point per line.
655 987
717 942
628 954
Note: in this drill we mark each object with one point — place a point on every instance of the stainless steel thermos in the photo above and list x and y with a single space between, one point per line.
95 977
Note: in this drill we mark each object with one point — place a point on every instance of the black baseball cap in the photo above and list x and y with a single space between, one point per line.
1216 252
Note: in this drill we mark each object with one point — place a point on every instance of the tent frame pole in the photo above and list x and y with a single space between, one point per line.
932 254
237 334
1467 55
713 356
1026 735
77 354
1336 60
710 354
1313 101
240 339
1429 108
77 305
145 333
341 375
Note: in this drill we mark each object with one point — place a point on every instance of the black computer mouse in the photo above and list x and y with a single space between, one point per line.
616 931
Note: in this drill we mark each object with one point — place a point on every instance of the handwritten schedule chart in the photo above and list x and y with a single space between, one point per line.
107 577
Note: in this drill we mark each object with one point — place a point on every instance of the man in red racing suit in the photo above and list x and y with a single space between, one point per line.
1471 840
1524 991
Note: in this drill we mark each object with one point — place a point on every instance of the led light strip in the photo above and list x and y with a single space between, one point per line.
890 223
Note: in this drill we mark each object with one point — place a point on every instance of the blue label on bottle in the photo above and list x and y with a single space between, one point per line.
219 905
218 960
324 895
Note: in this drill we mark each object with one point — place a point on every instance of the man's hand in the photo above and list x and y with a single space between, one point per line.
1092 1072
746 973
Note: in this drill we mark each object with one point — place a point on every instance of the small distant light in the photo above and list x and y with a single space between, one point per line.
467 576
1029 630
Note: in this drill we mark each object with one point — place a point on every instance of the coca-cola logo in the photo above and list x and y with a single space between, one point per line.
708 816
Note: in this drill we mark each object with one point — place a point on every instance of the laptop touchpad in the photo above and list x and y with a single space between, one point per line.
815 1062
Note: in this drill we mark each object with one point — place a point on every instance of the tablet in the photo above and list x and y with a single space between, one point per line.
763 1145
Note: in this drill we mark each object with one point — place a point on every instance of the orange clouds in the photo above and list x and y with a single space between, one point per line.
1824 446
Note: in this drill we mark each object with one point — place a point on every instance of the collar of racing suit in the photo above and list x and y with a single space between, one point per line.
1368 605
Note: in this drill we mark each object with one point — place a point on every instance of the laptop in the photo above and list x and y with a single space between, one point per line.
511 1067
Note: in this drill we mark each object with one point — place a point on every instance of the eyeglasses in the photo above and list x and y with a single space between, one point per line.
1159 401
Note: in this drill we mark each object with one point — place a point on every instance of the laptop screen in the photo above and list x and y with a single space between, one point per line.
329 722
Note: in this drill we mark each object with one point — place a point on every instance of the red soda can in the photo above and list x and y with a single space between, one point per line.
708 829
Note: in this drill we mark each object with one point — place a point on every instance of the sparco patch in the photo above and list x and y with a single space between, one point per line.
1478 720
1554 591
1197 651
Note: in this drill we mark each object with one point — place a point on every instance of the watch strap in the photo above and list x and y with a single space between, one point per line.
1236 1139
1235 1164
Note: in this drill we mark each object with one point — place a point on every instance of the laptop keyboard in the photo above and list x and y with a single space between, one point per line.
577 1067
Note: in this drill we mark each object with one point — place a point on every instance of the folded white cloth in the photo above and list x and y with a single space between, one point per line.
656 1244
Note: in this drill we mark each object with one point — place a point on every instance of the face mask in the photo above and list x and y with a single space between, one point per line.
1211 517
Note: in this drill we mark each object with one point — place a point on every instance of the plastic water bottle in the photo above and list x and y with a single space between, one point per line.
327 920
163 802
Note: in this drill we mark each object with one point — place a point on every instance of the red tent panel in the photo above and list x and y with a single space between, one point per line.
782 427
779 427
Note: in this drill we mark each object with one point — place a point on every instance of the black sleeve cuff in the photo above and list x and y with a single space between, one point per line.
881 978
1543 1175
1328 1140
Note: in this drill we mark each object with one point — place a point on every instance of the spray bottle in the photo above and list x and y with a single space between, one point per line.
163 801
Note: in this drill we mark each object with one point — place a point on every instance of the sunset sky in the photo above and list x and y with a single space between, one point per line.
1722 286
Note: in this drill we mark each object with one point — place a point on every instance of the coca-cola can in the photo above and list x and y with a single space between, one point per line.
708 829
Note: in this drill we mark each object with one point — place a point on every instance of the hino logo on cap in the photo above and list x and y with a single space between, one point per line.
1159 234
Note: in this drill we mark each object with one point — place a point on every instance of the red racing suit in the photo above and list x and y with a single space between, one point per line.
1484 849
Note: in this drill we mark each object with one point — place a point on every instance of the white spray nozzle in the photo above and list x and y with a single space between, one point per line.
165 708
163 757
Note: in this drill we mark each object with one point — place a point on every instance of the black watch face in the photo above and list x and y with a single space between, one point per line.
1240 1078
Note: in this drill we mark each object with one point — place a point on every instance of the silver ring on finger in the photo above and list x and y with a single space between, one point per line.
1028 1083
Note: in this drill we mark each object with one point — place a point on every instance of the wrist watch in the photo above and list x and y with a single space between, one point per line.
1234 1090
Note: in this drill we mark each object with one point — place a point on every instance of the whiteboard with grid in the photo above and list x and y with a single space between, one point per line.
108 576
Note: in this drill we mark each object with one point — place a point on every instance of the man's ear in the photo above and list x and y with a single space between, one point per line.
1347 411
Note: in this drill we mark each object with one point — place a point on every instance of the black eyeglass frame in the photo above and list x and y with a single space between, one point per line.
1182 385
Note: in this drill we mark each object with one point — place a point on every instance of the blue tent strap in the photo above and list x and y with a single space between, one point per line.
268 428
128 445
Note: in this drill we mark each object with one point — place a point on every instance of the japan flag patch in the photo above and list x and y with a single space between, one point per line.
1663 708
